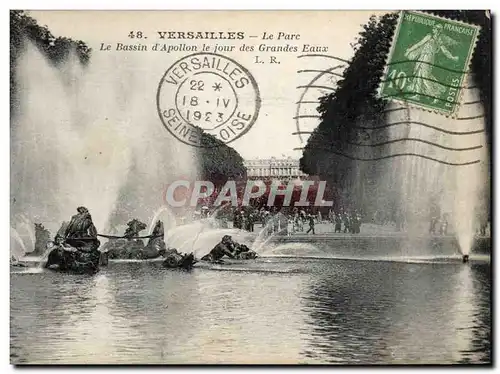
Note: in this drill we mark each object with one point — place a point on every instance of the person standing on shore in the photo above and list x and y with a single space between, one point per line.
338 223
237 221
250 220
482 226
346 222
444 225
303 216
243 221
432 227
311 224
357 227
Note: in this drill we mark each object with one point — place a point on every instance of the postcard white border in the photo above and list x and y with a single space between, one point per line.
174 4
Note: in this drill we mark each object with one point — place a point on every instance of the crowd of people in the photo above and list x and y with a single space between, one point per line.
346 222
295 220
285 221
439 225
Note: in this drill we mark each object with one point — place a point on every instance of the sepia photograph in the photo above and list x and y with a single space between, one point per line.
250 187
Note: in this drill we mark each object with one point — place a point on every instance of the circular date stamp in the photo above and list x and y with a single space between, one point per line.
207 93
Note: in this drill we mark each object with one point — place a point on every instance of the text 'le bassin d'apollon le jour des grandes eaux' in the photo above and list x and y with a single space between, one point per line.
207 41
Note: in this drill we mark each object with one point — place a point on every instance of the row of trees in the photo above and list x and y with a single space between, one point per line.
24 28
218 161
354 102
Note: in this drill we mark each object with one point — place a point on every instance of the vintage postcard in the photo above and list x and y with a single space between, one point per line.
250 187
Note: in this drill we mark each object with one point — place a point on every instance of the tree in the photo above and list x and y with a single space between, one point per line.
355 102
219 162
24 28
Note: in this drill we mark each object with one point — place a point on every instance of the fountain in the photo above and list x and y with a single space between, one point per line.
428 188
166 216
17 246
27 226
275 226
295 250
22 239
200 237
89 136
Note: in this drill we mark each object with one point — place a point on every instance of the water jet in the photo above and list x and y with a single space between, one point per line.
77 156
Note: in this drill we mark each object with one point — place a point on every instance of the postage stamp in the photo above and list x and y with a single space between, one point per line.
428 61
207 92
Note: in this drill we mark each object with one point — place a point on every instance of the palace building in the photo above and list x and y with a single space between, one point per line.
275 168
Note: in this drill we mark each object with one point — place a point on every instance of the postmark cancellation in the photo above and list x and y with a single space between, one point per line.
207 92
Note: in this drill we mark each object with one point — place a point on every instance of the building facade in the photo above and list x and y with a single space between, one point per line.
274 168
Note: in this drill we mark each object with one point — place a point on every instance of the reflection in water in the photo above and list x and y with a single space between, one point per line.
255 323
39 303
476 331
89 335
269 311
399 313
345 320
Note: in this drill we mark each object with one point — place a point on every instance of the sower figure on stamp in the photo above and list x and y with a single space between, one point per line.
424 53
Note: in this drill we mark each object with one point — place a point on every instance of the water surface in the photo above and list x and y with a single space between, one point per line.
273 310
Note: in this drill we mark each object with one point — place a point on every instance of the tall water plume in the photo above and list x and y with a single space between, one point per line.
90 136
428 188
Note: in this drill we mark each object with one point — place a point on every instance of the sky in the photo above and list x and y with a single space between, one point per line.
281 85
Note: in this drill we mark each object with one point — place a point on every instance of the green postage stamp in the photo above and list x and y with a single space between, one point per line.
428 61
